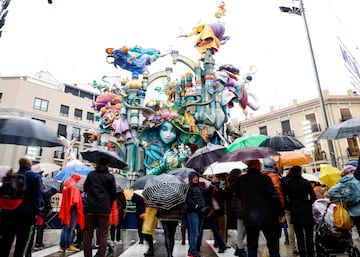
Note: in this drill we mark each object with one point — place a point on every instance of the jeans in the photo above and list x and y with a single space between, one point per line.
211 222
66 236
100 221
241 233
271 233
195 224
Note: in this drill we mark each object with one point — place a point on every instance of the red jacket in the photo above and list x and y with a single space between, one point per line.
71 197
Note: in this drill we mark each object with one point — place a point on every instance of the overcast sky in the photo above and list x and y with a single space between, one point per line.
68 38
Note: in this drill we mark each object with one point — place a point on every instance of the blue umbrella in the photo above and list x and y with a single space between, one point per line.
66 172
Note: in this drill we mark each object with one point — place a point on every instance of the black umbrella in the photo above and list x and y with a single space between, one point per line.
24 131
121 182
182 172
95 154
282 143
248 153
347 129
205 156
140 182
165 191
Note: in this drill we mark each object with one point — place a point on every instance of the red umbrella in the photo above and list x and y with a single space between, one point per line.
248 153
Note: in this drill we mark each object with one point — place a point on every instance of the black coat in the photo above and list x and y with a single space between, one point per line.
100 191
262 206
299 197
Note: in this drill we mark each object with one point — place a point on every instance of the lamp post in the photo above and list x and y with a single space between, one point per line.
300 11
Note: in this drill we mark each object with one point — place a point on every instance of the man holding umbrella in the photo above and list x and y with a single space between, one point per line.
100 188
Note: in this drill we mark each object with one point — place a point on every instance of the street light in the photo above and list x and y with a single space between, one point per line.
300 11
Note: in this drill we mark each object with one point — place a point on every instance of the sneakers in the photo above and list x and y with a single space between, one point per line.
118 242
111 243
72 248
62 248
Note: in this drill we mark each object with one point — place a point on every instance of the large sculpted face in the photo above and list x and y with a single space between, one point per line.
167 132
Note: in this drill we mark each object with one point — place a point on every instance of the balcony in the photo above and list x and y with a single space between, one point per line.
315 128
289 133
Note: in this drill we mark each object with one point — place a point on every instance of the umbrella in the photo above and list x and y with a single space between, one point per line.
347 129
24 131
121 181
311 177
165 191
95 154
204 156
3 171
351 163
140 182
292 158
46 167
66 172
282 143
246 141
248 153
202 181
52 186
224 167
182 172
329 175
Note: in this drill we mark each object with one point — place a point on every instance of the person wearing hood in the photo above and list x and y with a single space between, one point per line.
196 209
100 189
71 212
348 189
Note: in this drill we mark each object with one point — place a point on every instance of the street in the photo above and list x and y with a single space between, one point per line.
131 247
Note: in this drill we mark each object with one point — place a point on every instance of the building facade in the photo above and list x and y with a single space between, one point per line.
290 121
66 109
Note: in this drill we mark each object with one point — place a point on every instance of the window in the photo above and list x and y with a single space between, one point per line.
315 127
64 110
286 129
75 151
263 130
1 96
41 104
90 117
345 114
75 134
59 153
62 130
33 151
78 114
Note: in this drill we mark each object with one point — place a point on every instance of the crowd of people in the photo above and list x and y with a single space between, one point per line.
261 199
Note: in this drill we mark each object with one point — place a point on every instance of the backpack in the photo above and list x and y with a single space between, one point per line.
13 191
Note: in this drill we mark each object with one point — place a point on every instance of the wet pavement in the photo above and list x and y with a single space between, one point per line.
131 247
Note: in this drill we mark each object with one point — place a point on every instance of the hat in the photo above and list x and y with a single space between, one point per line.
268 162
347 170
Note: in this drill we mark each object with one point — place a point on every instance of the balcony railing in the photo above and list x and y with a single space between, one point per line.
289 133
315 128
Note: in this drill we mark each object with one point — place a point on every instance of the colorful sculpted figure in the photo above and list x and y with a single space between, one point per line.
209 36
233 89
134 59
